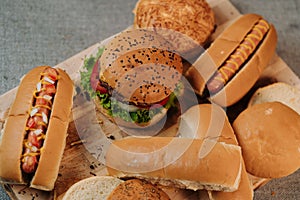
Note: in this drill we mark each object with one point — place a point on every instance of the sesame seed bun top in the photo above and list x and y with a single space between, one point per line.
141 66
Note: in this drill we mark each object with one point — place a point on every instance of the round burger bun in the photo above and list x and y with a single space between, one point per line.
130 40
133 189
96 187
281 92
188 24
269 135
141 66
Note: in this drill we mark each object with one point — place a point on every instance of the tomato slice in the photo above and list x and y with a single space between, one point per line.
156 105
164 101
101 89
160 104
95 76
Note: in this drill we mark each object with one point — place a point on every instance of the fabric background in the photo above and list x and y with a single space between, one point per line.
47 32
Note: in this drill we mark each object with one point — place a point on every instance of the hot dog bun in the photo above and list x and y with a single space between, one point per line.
11 146
269 134
206 121
179 162
222 49
213 123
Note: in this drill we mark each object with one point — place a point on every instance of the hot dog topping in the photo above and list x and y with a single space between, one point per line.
38 119
238 57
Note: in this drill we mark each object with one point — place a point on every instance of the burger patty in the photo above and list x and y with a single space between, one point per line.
119 97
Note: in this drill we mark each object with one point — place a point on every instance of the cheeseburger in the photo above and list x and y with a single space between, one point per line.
137 78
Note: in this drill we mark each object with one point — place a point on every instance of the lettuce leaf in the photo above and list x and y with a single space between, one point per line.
86 73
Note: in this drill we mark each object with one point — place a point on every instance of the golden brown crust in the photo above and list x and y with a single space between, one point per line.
231 37
221 48
137 189
244 190
182 164
12 146
204 68
24 96
141 66
147 75
213 123
269 136
209 121
130 40
56 135
249 74
187 24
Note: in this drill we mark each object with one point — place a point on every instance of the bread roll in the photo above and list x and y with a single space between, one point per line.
187 24
133 189
210 121
177 161
269 134
281 92
96 187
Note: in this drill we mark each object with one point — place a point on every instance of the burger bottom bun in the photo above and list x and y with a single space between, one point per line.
97 187
269 135
137 189
281 92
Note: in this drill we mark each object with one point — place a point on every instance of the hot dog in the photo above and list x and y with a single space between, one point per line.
35 130
238 57
38 120
234 61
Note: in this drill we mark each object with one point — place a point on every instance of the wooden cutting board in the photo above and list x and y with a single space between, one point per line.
87 135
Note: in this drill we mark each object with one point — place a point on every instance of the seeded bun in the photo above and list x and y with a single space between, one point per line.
137 189
269 134
130 40
188 24
143 67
